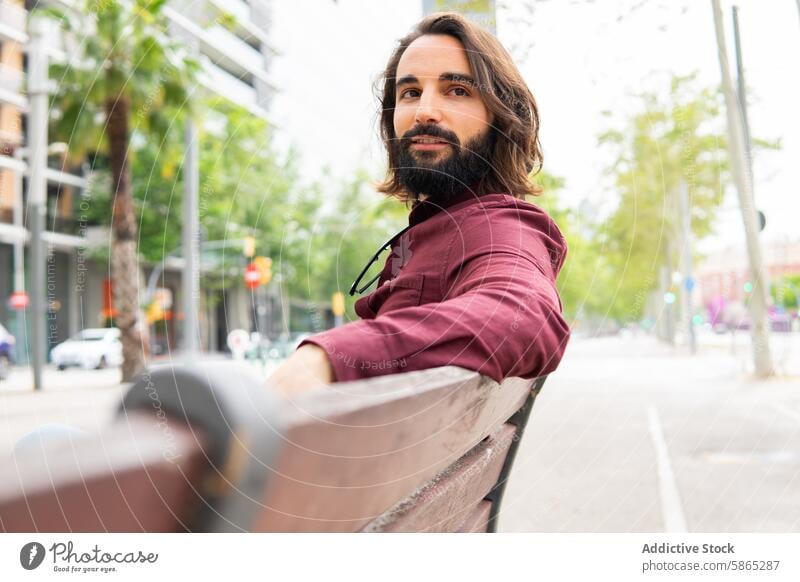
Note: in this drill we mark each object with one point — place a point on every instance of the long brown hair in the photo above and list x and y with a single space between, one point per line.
516 152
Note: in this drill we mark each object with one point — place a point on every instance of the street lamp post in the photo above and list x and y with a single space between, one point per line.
37 189
190 281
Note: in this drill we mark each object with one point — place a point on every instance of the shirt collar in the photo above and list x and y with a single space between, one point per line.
425 209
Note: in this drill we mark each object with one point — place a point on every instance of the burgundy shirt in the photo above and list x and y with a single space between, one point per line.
470 284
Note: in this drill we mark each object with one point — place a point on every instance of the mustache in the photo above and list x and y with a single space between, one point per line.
431 130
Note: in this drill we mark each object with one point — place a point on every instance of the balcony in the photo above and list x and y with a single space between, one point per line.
232 53
63 221
220 81
12 22
246 23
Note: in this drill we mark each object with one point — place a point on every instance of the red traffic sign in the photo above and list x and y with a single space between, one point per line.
252 278
19 300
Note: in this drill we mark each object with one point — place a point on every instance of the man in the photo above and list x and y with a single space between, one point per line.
471 282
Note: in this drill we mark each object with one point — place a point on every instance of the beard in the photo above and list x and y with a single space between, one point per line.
441 174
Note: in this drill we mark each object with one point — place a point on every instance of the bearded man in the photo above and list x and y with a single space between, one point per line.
471 281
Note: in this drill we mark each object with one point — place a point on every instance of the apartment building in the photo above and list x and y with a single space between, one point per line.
725 274
481 11
231 41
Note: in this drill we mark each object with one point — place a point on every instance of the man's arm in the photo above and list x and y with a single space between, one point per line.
502 317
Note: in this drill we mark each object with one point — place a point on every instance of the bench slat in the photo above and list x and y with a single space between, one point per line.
443 504
130 479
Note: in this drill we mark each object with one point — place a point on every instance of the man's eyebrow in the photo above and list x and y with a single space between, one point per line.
412 79
463 77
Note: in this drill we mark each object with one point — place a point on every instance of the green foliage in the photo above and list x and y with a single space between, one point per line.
117 50
318 236
614 261
669 142
345 235
584 275
786 291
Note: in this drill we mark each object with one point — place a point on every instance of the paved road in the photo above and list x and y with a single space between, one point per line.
632 436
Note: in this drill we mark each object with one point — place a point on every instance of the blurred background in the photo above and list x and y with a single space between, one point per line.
198 175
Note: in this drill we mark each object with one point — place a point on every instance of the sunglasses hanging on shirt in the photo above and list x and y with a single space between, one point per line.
354 287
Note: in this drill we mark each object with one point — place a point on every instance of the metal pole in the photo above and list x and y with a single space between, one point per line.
37 191
798 7
742 94
688 281
19 267
762 355
190 282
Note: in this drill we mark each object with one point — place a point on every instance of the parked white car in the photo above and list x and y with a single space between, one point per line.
91 348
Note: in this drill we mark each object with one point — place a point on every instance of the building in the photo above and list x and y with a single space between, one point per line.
231 39
725 274
481 11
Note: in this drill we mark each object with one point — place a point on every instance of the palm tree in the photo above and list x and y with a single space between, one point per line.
123 73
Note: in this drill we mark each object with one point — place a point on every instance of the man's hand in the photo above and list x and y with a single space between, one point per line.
308 367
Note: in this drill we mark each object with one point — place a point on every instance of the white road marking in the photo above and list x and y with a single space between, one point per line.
671 506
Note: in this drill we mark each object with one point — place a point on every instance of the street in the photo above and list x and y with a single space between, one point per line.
628 435
632 436
83 399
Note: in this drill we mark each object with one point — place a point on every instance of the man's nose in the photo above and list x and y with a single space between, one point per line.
429 109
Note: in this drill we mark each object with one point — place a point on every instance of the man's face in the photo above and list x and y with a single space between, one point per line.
436 101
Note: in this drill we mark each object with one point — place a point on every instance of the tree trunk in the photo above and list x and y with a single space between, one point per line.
124 256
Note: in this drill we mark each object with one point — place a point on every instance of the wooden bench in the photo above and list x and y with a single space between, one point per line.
207 447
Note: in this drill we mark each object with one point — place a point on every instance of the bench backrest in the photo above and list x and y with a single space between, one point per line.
208 448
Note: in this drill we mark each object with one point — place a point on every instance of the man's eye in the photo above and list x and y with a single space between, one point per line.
406 92
464 92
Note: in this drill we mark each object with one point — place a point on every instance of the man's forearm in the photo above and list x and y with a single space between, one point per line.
306 368
505 329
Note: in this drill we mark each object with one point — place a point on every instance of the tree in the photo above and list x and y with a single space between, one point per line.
665 144
680 139
318 235
585 276
785 291
123 69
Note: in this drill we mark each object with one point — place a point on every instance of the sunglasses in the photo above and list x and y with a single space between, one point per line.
354 287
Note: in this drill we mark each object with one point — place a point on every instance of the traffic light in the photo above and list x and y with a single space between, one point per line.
337 303
263 266
251 276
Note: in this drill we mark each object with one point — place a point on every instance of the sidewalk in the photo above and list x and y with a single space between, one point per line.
82 399
632 436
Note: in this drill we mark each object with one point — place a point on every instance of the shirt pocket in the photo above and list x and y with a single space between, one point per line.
403 291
